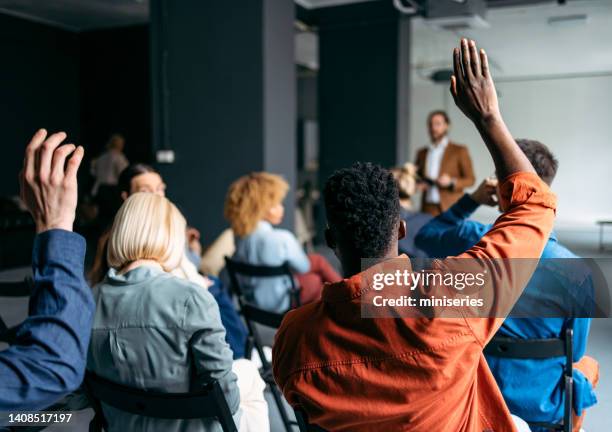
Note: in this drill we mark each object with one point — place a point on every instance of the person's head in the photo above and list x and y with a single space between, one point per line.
147 227
406 180
116 142
362 208
544 162
437 124
255 197
140 177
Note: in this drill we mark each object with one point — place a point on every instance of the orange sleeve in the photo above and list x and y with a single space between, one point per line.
520 232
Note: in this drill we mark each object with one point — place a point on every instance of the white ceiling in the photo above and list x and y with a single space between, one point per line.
522 43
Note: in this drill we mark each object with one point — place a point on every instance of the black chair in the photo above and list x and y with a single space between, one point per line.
302 421
209 402
13 289
541 349
256 316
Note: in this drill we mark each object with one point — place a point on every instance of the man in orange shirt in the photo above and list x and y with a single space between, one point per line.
348 373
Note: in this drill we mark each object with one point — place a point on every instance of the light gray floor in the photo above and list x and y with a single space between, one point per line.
598 419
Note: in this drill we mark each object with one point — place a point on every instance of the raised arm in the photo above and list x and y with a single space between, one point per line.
474 93
511 248
47 357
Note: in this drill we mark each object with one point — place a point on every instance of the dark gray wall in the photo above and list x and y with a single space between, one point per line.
361 85
38 88
115 89
223 98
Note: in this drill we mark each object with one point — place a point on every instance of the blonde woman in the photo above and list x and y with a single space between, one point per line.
406 177
253 206
156 331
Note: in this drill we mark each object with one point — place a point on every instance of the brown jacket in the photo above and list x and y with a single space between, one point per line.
457 164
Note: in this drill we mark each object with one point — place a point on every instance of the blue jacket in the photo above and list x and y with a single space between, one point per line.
451 233
47 359
235 331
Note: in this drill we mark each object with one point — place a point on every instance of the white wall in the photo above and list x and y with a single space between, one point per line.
571 116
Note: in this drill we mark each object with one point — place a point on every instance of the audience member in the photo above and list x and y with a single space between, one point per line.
105 170
406 185
143 178
445 168
254 204
352 374
533 389
107 167
156 331
213 258
47 355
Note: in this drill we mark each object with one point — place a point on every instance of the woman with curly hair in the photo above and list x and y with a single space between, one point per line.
253 206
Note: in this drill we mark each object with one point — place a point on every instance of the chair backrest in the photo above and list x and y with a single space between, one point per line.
302 422
542 349
236 269
209 402
260 316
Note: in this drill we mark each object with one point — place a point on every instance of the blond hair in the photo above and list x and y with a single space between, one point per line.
250 197
147 226
406 178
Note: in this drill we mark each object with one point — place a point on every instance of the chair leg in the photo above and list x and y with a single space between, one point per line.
281 407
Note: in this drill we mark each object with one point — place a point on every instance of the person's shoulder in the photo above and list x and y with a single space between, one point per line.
421 150
283 235
168 286
452 145
296 324
294 336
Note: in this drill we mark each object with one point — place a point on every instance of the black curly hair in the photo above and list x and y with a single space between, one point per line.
362 203
544 162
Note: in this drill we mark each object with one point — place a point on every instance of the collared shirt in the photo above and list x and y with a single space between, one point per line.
271 247
349 373
435 152
451 233
107 168
155 331
47 359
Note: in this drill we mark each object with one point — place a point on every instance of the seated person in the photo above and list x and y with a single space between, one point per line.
155 331
47 356
348 373
533 389
213 258
143 178
406 184
254 204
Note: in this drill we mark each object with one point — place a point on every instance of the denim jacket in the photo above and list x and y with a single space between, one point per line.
155 331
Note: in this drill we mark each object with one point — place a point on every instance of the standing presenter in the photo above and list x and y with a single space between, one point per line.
444 168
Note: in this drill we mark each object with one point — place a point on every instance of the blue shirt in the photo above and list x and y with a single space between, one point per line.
270 246
450 234
47 359
235 331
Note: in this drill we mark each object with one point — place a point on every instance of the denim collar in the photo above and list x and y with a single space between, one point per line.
136 275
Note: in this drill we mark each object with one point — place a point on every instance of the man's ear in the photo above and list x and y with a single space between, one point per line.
401 229
329 239
124 195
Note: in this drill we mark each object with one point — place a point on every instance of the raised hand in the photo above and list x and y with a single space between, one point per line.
48 183
471 85
474 93
486 193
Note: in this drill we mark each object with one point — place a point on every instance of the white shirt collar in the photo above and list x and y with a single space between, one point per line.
441 144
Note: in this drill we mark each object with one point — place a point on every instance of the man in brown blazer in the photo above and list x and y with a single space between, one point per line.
444 168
